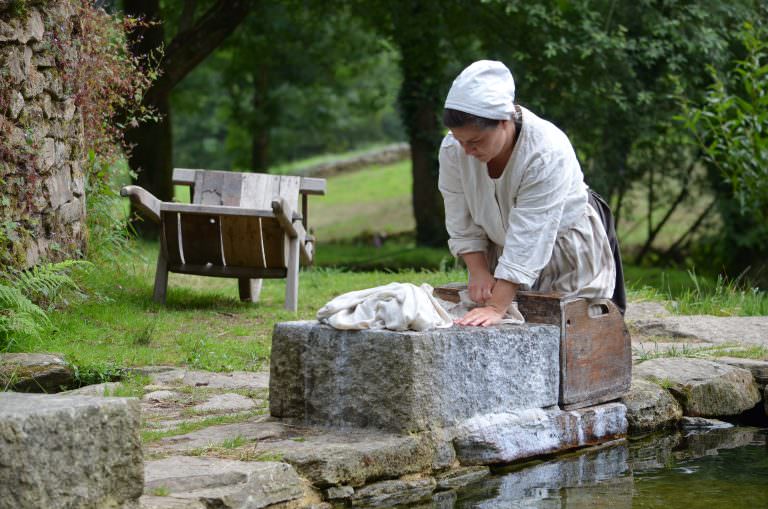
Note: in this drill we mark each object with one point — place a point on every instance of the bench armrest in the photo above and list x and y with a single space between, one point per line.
143 200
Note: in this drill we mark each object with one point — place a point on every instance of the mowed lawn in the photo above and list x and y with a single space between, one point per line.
374 200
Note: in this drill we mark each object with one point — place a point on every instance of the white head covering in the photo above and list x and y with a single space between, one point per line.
486 89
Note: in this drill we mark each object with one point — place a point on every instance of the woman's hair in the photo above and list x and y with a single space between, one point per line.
455 118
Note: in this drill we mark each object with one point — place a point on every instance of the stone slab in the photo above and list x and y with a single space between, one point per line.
169 376
102 389
355 457
225 484
644 310
410 381
462 476
650 407
252 430
749 330
511 436
704 388
224 403
34 372
69 451
393 493
758 368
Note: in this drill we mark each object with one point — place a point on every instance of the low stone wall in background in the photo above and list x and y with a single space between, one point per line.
383 155
42 206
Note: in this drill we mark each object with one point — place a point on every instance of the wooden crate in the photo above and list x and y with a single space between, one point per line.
595 348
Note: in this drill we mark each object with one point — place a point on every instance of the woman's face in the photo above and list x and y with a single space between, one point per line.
483 143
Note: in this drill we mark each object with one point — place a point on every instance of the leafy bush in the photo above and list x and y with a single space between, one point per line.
108 84
730 125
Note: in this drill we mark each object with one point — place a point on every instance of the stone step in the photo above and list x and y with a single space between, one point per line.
69 451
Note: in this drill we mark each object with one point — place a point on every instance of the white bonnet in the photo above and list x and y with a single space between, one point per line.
486 89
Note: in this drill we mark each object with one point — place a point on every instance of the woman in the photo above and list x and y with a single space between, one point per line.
516 205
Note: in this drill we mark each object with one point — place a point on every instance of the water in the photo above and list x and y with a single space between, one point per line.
714 469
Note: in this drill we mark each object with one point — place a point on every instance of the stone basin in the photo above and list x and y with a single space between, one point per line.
410 381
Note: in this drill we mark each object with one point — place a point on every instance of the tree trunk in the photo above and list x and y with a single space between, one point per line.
261 121
152 159
420 103
428 208
150 155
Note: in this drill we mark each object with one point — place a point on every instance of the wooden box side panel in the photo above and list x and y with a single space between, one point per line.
596 356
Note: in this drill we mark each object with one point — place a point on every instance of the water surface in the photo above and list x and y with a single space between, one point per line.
707 469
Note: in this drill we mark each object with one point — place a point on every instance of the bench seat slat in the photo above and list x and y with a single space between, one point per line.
201 239
241 239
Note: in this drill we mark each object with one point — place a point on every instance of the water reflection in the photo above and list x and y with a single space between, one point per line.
719 468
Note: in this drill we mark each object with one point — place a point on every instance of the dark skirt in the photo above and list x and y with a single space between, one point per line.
604 211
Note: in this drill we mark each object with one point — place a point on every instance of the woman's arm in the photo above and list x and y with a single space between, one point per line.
480 279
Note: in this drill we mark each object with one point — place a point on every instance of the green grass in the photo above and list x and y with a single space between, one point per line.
690 294
755 352
185 427
374 200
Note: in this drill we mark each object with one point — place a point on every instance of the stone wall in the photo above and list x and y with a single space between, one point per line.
42 205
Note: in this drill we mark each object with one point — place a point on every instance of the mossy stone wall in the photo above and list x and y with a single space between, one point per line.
42 205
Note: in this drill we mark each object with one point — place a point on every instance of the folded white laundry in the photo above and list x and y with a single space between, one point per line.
396 306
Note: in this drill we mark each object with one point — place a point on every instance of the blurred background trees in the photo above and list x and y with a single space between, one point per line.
248 85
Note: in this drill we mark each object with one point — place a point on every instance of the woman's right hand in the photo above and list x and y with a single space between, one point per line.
481 286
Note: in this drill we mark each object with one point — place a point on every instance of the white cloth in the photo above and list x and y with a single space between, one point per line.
465 304
534 220
396 306
486 89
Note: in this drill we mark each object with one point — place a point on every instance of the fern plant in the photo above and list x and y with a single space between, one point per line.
45 284
25 295
19 316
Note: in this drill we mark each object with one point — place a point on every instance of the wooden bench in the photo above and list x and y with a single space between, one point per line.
239 225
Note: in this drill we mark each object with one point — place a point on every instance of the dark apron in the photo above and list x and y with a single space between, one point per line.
606 217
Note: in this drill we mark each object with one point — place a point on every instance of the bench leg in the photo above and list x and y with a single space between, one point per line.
292 280
161 278
250 289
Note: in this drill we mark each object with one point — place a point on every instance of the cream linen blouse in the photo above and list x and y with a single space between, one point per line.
534 221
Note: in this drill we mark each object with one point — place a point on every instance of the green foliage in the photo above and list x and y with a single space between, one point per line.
319 89
46 284
730 124
25 294
106 80
19 316
727 298
109 231
97 373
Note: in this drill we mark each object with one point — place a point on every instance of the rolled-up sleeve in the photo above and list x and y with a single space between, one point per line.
465 236
534 221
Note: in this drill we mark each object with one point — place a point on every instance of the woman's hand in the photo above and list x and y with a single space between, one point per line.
481 286
482 317
504 292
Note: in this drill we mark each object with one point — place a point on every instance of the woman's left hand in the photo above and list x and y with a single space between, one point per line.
482 317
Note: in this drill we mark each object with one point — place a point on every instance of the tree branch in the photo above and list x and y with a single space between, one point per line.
695 226
655 230
190 47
